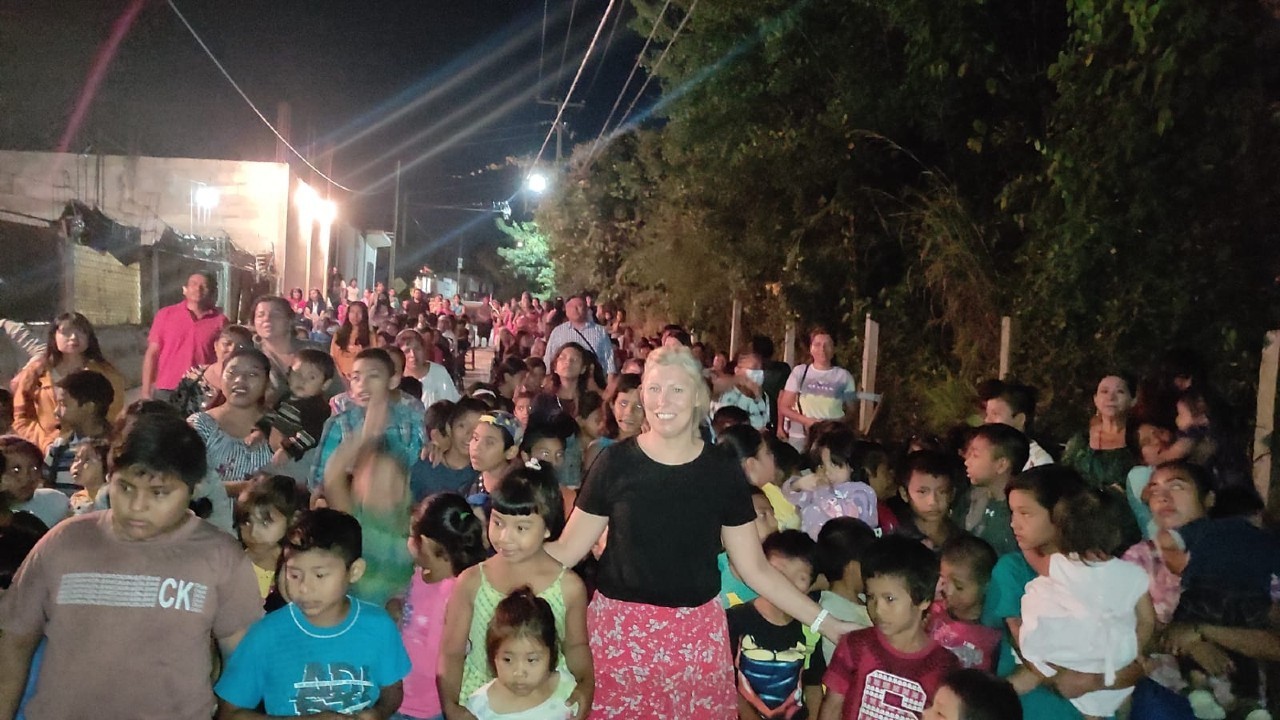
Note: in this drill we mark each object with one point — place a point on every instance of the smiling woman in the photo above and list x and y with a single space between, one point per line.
235 446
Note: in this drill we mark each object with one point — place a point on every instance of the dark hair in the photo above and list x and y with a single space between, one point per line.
16 445
447 519
1090 521
509 366
437 417
379 355
254 354
1007 443
549 429
1021 400
973 552
588 402
410 386
535 363
1236 500
790 544
162 443
840 442
842 540
328 530
266 491
17 540
343 337
531 491
785 456
762 345
742 441
465 406
1047 484
522 614
87 386
902 557
322 361
871 455
1198 474
730 416
393 352
626 382
241 333
92 350
584 353
926 462
983 696
279 302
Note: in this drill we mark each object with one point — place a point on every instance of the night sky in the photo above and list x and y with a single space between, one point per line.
447 88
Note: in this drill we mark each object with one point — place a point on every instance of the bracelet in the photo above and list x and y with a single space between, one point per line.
817 622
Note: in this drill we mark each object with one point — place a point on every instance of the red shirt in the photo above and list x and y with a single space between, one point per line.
973 645
185 341
880 682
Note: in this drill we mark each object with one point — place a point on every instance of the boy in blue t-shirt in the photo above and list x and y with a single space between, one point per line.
324 652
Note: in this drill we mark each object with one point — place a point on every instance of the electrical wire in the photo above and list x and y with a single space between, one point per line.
653 72
564 49
542 47
576 76
253 107
604 54
636 66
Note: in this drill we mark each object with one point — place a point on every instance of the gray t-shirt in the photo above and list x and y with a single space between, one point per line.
51 506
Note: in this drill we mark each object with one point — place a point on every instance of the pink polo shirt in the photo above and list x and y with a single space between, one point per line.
184 341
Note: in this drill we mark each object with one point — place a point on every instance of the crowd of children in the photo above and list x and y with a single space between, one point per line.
398 548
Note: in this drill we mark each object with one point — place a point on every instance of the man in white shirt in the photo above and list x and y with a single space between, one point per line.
579 328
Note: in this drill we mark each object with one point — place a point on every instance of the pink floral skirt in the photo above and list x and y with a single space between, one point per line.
660 662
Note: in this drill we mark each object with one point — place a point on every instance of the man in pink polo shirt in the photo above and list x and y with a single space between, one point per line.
182 335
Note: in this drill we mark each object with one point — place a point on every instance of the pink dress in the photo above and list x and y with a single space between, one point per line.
422 629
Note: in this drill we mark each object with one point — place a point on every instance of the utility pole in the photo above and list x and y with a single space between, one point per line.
395 236
560 126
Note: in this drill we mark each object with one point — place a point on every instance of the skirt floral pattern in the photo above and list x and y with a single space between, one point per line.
660 662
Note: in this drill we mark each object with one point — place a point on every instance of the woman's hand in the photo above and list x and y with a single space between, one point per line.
1212 658
833 629
1072 684
581 698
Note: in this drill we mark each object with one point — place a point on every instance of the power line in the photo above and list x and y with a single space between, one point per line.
653 72
542 47
564 49
636 66
604 54
567 96
253 107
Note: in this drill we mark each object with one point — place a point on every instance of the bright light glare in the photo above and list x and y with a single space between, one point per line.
207 197
536 182
326 211
311 205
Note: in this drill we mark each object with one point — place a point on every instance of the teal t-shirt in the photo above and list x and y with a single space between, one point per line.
388 564
732 590
1008 583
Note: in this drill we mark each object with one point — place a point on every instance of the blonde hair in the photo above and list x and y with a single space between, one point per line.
682 358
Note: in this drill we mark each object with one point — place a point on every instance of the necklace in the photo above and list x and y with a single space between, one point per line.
293 613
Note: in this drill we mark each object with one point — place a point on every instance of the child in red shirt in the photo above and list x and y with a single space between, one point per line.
890 670
967 562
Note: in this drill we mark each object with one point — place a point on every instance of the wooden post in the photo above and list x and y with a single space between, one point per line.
1262 434
870 358
735 328
789 345
1006 336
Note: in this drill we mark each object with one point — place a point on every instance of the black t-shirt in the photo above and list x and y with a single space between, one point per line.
664 522
773 663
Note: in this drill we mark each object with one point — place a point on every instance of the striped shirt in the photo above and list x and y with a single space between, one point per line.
592 336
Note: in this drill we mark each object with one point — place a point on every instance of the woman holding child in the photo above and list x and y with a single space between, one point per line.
273 324
659 638
235 445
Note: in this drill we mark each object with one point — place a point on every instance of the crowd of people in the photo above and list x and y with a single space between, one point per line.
315 514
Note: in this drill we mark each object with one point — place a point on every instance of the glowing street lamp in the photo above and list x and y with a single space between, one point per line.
536 183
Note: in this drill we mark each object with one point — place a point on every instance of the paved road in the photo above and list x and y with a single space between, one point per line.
480 372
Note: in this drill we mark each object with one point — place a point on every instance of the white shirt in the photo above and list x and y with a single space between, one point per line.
437 385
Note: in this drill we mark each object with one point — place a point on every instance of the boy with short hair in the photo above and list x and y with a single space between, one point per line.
994 455
894 666
135 591
82 398
927 489
778 673
874 460
325 652
954 618
373 380
1015 405
841 544
298 420
450 470
21 476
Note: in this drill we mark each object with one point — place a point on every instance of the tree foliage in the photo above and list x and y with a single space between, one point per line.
1102 170
528 258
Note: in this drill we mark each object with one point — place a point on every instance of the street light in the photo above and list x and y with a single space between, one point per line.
536 183
207 197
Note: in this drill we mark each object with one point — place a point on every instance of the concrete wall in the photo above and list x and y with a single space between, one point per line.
98 286
148 193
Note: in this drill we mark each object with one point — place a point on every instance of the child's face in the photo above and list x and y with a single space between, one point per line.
317 581
548 450
224 346
1032 525
946 706
766 522
534 379
980 461
836 474
21 476
1152 441
998 411
431 557
764 469
86 467
1190 414
487 450
928 495
960 590
523 405
593 424
890 607
146 504
264 527
881 480
305 380
69 412
798 572
370 380
516 537
628 413
461 429
522 664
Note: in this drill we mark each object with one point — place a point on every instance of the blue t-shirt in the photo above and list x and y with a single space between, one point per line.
427 479
296 668
1008 584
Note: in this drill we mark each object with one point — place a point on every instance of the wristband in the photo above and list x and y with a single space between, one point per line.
817 622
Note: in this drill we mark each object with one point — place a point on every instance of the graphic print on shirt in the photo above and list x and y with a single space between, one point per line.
770 680
131 591
886 696
332 687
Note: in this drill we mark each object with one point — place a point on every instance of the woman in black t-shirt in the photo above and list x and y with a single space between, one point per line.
670 502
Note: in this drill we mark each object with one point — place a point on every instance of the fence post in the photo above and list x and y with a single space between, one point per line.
1006 337
1262 434
870 358
789 345
735 328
